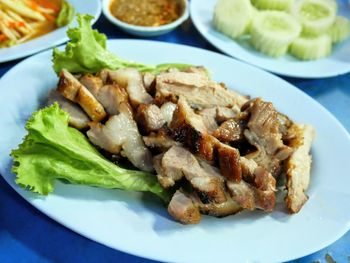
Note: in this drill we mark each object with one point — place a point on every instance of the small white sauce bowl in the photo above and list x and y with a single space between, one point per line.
145 31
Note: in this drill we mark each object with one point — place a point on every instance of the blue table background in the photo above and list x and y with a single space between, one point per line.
27 235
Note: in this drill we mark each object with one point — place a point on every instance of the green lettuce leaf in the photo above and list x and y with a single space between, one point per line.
52 150
65 15
86 52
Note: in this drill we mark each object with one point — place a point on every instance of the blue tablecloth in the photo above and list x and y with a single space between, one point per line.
26 235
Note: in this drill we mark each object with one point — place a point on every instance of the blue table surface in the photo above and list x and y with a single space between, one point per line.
27 235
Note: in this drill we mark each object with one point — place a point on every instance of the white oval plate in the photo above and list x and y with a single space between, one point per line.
336 64
54 38
139 225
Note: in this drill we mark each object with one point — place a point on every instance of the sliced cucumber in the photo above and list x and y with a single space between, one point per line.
273 31
273 4
316 16
307 48
233 17
340 29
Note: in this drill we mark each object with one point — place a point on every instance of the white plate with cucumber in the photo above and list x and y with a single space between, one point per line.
301 41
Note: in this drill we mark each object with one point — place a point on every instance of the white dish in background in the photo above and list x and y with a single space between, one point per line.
54 38
140 225
145 31
336 64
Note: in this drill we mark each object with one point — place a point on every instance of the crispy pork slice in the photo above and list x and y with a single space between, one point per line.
178 162
258 188
298 166
77 117
149 118
92 83
230 131
120 132
149 81
249 197
167 110
198 90
209 119
229 162
159 140
131 80
113 98
229 207
73 90
183 209
263 132
188 128
225 113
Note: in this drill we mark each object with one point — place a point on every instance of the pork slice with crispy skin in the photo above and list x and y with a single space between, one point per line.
178 162
183 209
120 132
131 80
77 117
149 118
73 90
159 140
198 90
113 98
167 110
298 166
263 132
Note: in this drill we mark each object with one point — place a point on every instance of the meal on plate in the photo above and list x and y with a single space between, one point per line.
168 129
147 12
306 29
22 20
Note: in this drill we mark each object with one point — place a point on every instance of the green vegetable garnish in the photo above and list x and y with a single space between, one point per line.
86 52
65 15
52 150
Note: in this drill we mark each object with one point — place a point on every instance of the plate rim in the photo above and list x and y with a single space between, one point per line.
198 25
139 254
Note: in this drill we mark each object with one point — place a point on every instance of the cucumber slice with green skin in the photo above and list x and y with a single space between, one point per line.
340 30
282 5
233 17
273 31
316 16
306 48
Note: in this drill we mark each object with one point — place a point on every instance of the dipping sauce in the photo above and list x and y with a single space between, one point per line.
147 12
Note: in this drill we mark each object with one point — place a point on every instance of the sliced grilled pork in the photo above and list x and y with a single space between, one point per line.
73 90
113 98
131 80
178 162
159 140
149 82
249 197
229 162
167 110
188 128
209 119
92 83
225 113
229 207
149 118
230 131
77 117
263 132
120 132
183 209
298 166
198 90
